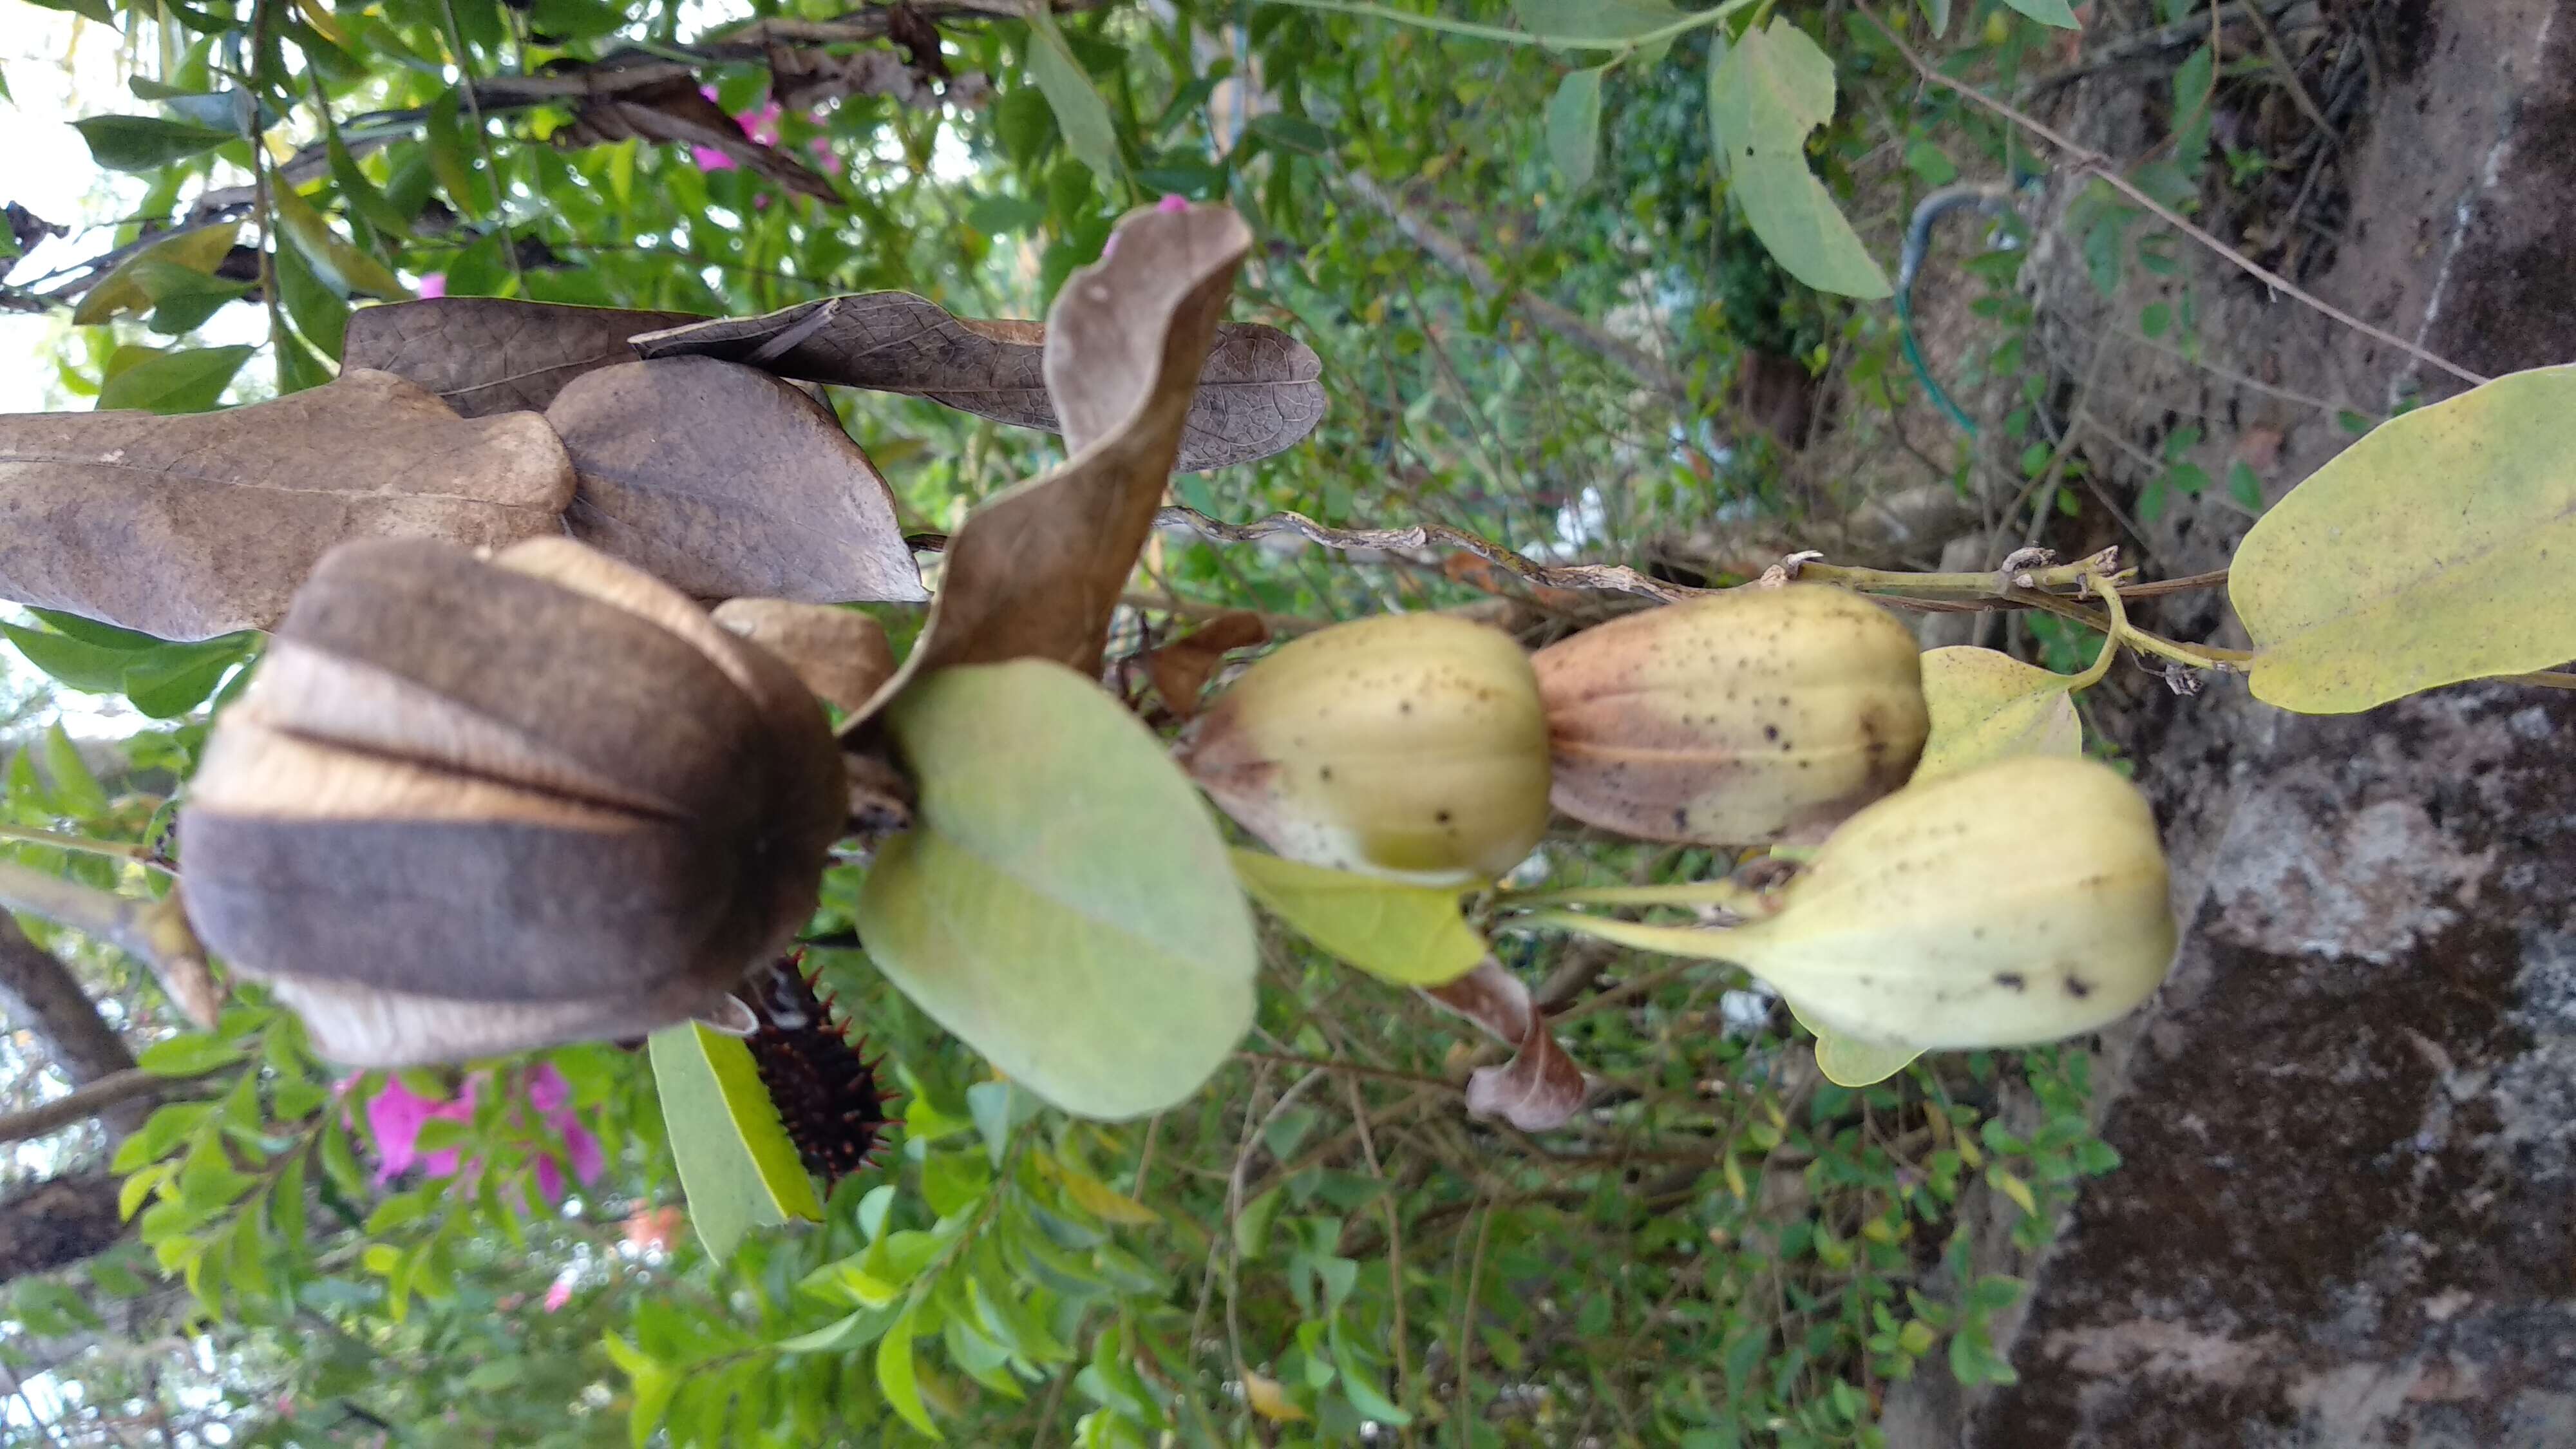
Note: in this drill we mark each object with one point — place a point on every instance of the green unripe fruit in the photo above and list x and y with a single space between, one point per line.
1406 746
1737 719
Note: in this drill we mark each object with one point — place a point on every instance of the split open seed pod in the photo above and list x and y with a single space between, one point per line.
472 806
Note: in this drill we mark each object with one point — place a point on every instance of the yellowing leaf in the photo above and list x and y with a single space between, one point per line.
1101 1200
1063 901
737 1166
1410 935
122 290
2014 1188
1269 1400
1986 705
1850 1063
2442 547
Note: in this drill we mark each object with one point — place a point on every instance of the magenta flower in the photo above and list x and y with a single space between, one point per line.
434 285
559 1295
396 1116
760 124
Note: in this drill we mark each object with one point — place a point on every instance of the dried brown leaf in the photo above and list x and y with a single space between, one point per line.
676 110
1489 996
1036 572
485 355
1257 393
1540 1088
1181 669
724 481
204 524
842 655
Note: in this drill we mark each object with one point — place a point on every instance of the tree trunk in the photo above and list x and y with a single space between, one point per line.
39 993
57 1223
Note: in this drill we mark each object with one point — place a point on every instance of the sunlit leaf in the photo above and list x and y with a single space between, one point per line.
143 143
1063 902
340 265
2435 550
1596 21
1772 88
736 1163
200 249
1985 705
896 1378
1847 1062
1410 935
187 381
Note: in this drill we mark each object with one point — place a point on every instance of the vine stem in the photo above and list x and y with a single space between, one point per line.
116 849
2086 159
154 932
1474 31
1727 894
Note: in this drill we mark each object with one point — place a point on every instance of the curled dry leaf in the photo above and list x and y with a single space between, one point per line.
1258 391
1181 669
721 480
676 110
473 807
841 655
1540 1087
485 355
1036 572
192 526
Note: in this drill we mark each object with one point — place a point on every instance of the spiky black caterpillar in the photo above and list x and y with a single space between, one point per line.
826 1093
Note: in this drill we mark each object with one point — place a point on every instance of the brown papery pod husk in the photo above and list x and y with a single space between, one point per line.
194 526
472 807
842 655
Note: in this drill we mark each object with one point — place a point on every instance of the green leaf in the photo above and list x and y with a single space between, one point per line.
1936 13
1986 705
1063 900
189 1055
895 1378
1410 935
653 1381
2435 550
2048 12
997 1107
89 668
91 631
1080 113
1771 89
341 267
2244 486
1296 133
1002 215
1574 127
77 792
320 310
187 381
737 1166
1360 1383
145 143
1595 23
849 1333
172 679
98 10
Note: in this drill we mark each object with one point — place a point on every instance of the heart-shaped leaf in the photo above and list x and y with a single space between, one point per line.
1985 705
736 1163
1063 902
485 355
2432 551
1766 92
721 480
1410 935
1257 391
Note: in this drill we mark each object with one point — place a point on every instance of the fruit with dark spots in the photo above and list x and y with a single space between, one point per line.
1407 746
1738 719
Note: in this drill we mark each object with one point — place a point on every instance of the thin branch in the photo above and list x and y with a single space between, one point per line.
155 932
1601 578
94 1100
2085 159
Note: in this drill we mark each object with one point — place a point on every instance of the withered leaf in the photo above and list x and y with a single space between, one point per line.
676 110
1540 1087
1181 669
485 355
1257 393
841 654
722 480
203 524
1036 572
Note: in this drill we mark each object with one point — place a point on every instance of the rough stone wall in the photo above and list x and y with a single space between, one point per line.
2347 1215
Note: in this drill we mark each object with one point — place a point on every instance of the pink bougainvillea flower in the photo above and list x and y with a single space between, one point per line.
551 1095
559 1295
760 124
1172 203
824 155
434 285
654 1228
547 1090
395 1114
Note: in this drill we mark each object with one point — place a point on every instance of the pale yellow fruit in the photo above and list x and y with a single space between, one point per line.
1738 719
2022 902
1407 746
2017 903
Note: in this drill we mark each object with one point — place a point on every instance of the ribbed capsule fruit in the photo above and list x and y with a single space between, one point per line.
2021 902
1406 746
1737 719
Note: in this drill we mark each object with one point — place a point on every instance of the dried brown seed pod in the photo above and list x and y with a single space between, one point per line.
474 806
